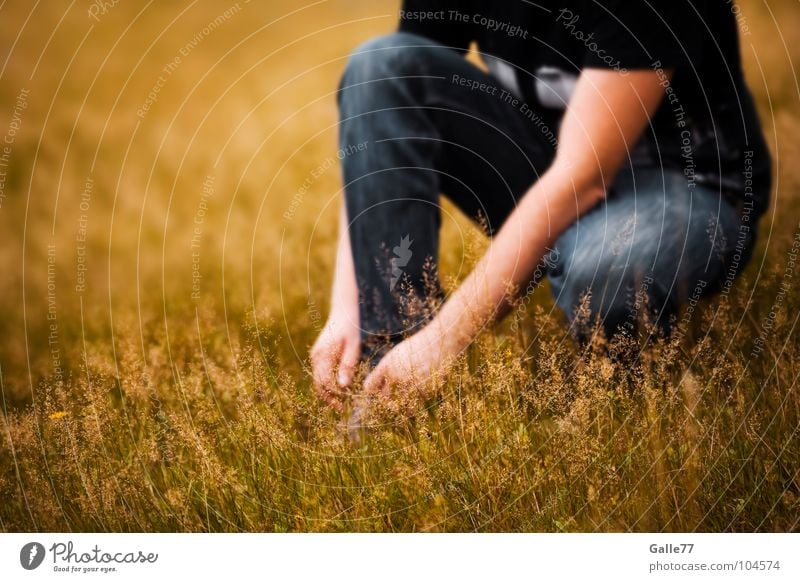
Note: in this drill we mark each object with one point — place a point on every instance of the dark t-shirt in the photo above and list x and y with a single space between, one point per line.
707 125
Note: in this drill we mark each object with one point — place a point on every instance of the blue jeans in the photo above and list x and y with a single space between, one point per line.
417 120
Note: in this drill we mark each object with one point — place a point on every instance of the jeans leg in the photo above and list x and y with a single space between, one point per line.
421 133
652 245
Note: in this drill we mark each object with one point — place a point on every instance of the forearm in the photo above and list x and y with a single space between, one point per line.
344 292
605 117
550 206
335 352
605 109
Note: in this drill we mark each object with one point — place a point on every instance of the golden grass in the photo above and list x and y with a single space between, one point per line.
183 414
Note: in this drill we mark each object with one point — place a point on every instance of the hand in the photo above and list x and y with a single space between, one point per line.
335 355
414 367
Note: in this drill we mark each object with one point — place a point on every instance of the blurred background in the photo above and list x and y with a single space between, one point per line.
168 159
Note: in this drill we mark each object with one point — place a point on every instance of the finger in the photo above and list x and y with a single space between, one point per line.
326 390
335 403
324 357
323 364
374 382
326 394
347 364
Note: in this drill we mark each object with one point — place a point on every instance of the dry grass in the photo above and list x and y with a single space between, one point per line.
177 414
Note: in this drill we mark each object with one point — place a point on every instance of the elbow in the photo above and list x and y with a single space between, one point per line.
593 194
589 183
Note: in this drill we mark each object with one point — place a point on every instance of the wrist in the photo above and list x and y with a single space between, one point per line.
344 297
344 313
341 304
454 333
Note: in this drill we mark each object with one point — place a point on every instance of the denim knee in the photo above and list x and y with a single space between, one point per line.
642 254
622 298
386 57
614 265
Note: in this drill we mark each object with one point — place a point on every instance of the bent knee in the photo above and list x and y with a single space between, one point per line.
621 301
386 56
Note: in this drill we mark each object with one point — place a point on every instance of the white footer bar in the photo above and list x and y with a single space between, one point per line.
389 557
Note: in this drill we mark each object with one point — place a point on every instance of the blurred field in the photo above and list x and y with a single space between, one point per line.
169 210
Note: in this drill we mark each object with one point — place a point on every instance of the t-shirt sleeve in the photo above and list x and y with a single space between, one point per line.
438 20
636 34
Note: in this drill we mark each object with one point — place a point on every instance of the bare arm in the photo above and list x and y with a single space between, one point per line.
345 291
605 117
335 353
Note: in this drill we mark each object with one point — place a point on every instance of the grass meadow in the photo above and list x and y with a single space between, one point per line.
168 208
